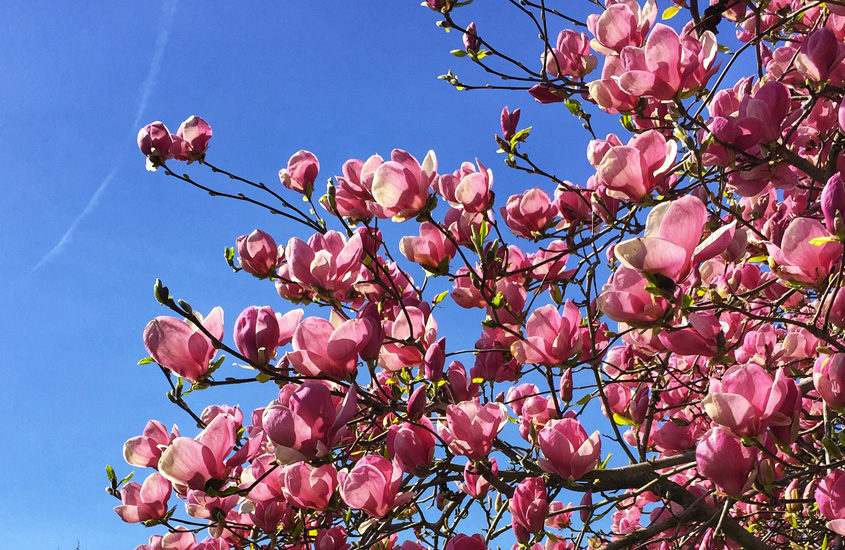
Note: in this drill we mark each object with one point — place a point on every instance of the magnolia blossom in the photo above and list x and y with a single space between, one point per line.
529 507
632 171
372 485
309 487
193 462
258 253
144 502
470 427
830 496
725 461
301 172
180 346
550 338
568 450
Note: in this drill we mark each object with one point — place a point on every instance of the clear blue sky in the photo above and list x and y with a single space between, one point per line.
86 230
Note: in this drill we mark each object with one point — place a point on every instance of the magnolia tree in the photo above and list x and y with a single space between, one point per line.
682 309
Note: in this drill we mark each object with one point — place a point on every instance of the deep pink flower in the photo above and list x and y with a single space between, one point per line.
832 202
180 346
195 134
470 427
568 450
725 461
432 249
829 379
528 213
145 450
144 502
632 171
400 186
257 333
746 400
625 299
622 24
300 173
326 262
509 120
308 487
529 507
830 496
550 338
798 260
258 253
320 348
193 462
155 141
410 445
466 542
305 421
475 484
571 56
372 485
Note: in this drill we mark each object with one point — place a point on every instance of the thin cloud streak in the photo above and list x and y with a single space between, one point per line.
169 11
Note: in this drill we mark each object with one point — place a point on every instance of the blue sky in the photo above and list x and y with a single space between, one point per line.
86 230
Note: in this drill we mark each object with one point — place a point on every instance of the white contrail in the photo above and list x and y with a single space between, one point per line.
168 12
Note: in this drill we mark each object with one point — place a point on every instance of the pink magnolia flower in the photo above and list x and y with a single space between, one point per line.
330 349
193 462
372 485
333 538
606 91
180 539
820 56
725 461
308 487
528 213
797 259
700 337
571 56
327 262
180 346
632 171
467 188
529 507
462 386
625 299
666 65
558 516
470 39
144 502
509 120
145 450
470 427
400 186
830 496
466 542
257 333
192 143
829 379
832 202
671 246
746 400
475 484
550 338
258 253
410 445
568 450
622 24
305 421
155 141
300 173
432 249
401 323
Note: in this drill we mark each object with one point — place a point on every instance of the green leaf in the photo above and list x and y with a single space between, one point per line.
477 380
627 122
574 106
758 259
819 241
670 12
497 300
440 297
520 136
584 400
146 361
482 54
263 378
111 475
458 53
622 421
127 478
